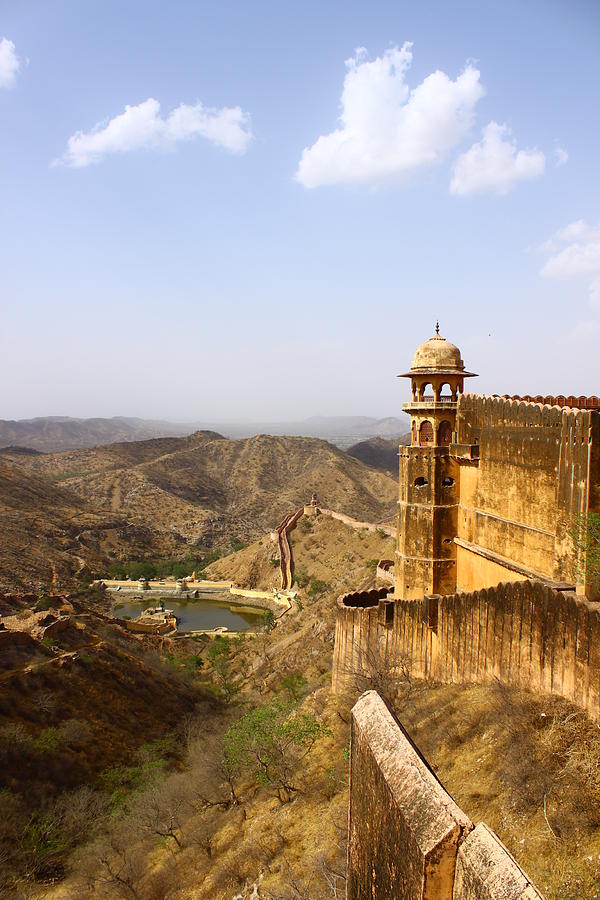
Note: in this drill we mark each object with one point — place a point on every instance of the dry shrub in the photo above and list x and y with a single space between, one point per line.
550 758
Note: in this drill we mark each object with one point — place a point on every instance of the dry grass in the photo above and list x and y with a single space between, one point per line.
527 766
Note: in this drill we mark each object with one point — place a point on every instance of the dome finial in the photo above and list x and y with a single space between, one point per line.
437 327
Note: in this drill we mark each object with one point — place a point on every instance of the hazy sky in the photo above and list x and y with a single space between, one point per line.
251 209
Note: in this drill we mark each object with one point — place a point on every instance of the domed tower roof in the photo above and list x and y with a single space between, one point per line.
437 355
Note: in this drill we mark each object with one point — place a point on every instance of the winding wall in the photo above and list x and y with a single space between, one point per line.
390 530
285 550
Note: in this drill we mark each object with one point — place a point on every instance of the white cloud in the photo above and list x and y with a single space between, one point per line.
494 164
560 156
387 129
142 127
9 63
575 253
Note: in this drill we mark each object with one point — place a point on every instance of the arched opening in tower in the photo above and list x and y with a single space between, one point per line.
444 433
426 433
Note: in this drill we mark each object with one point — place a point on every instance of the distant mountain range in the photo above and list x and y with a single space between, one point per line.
52 433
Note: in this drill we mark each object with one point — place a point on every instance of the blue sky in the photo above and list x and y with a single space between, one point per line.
179 260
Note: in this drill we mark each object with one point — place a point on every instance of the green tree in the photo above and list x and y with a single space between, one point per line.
585 534
268 620
269 743
293 685
317 586
219 657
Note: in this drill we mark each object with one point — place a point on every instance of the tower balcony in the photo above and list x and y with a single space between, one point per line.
442 404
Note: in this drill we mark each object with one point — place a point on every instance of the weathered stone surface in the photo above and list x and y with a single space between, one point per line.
525 633
404 827
485 870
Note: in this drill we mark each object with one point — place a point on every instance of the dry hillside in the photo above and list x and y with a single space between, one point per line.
323 550
379 453
52 536
166 497
525 765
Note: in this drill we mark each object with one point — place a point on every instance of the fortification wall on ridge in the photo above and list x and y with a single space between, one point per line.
538 469
390 530
408 839
523 633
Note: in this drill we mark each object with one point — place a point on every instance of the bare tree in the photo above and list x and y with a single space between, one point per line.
375 671
116 864
159 810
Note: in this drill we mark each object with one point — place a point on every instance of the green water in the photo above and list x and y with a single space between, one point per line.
199 615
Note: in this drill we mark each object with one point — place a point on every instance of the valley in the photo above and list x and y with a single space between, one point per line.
84 510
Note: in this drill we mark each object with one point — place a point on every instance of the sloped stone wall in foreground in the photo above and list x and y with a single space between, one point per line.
408 839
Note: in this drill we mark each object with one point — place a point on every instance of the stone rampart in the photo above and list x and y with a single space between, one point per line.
390 530
147 627
571 401
523 633
408 839
485 870
285 551
385 571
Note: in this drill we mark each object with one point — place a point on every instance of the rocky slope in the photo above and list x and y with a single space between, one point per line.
380 453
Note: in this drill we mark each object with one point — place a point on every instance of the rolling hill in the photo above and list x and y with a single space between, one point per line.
65 511
50 434
379 453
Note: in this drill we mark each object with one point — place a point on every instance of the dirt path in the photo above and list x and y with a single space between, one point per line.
33 667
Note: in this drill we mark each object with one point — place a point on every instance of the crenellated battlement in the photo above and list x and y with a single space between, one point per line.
531 412
571 401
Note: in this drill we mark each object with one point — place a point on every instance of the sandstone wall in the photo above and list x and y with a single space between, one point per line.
404 828
408 839
384 571
523 633
285 551
390 530
538 468
571 401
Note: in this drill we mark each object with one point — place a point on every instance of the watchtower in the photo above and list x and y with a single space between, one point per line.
425 560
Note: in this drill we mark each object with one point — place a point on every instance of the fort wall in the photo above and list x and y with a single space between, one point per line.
408 839
280 535
523 633
538 468
385 571
390 530
571 401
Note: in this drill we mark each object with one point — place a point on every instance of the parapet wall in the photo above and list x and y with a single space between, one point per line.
390 530
385 571
408 839
571 401
523 633
285 551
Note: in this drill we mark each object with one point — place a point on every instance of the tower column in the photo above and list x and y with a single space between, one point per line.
425 558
